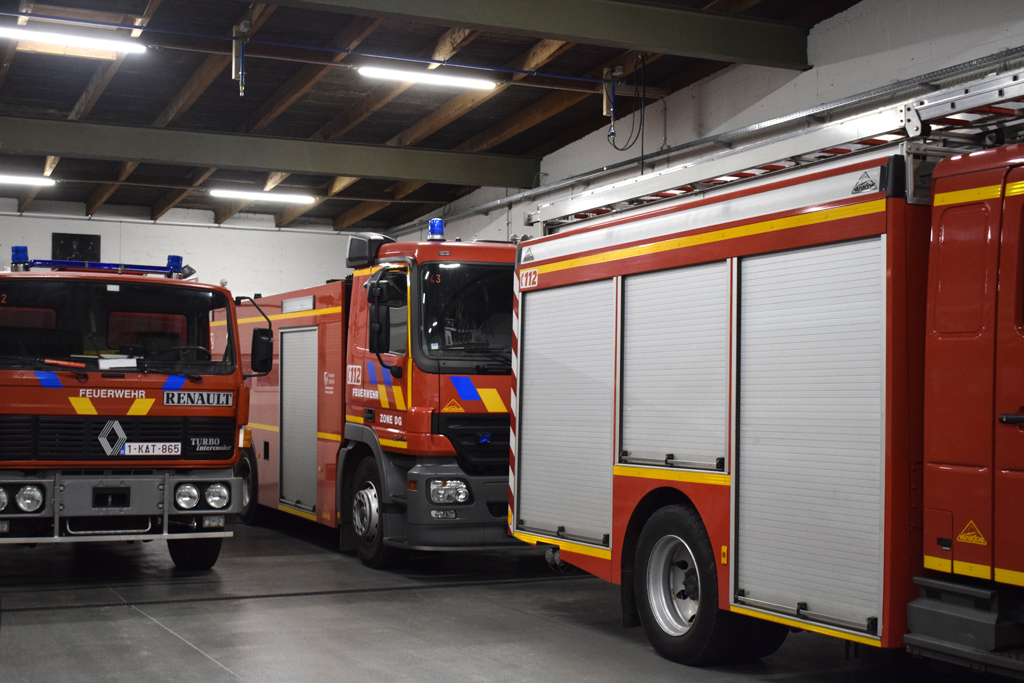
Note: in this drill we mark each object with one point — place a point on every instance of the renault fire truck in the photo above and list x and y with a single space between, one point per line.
387 413
117 420
787 391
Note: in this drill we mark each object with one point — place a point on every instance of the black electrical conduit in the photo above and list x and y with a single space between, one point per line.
297 594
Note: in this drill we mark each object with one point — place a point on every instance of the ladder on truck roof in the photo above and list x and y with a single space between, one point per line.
949 110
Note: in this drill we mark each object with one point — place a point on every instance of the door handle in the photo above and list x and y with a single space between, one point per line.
1011 419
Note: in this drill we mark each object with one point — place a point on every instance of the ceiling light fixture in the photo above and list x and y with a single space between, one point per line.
25 180
429 77
264 196
54 38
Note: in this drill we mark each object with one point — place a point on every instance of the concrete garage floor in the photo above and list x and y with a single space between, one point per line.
283 605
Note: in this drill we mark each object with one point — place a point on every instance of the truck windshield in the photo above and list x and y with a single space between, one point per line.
467 311
104 325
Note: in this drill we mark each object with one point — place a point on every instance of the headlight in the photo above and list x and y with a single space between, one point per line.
186 496
29 498
217 496
3 499
447 491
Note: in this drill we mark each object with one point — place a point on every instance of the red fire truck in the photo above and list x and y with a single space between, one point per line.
386 420
791 396
117 421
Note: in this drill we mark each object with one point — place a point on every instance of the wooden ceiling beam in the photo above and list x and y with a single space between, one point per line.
97 85
540 111
196 85
298 85
445 48
174 197
537 55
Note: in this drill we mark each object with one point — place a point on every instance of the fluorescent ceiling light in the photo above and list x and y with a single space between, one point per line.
53 38
426 77
265 196
25 180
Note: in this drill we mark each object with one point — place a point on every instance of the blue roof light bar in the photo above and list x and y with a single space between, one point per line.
21 262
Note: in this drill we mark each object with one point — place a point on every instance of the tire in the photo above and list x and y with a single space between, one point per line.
194 553
760 638
249 472
368 519
676 587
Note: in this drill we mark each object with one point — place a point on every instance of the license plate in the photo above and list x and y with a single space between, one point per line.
152 449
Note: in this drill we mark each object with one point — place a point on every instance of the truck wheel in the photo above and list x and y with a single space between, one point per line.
194 553
368 518
249 473
677 590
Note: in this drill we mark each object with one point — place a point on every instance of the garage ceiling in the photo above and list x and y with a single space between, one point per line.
162 128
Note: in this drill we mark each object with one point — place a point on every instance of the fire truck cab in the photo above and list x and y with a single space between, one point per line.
119 420
388 415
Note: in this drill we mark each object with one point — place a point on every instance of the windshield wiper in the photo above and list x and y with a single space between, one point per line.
148 370
67 365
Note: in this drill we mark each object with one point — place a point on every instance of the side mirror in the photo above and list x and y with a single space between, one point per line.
380 328
262 359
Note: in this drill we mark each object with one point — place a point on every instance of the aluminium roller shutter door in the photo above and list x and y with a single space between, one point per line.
811 430
675 365
299 386
566 453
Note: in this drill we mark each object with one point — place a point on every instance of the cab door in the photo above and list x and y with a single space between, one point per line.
388 390
1007 540
960 350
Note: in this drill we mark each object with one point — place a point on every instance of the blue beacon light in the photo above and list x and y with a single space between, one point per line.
436 229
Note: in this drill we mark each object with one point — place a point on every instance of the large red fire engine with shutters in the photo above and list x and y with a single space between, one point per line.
117 420
387 413
791 395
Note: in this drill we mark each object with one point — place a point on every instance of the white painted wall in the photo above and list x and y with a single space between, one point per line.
873 44
250 254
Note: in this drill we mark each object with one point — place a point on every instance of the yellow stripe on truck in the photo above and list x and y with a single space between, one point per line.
814 218
578 548
975 194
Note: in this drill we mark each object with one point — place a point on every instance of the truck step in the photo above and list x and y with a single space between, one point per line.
961 615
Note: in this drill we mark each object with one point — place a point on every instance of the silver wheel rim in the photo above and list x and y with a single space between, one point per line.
366 512
673 585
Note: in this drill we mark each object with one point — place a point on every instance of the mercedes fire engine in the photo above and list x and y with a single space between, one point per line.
117 420
791 395
387 414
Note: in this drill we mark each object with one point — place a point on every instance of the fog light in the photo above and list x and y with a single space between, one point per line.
29 498
213 521
217 496
4 500
442 514
447 491
186 496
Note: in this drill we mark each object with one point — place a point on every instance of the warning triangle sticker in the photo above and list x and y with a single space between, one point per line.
864 184
971 534
453 407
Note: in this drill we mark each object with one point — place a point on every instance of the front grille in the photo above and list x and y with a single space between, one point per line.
45 437
480 441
